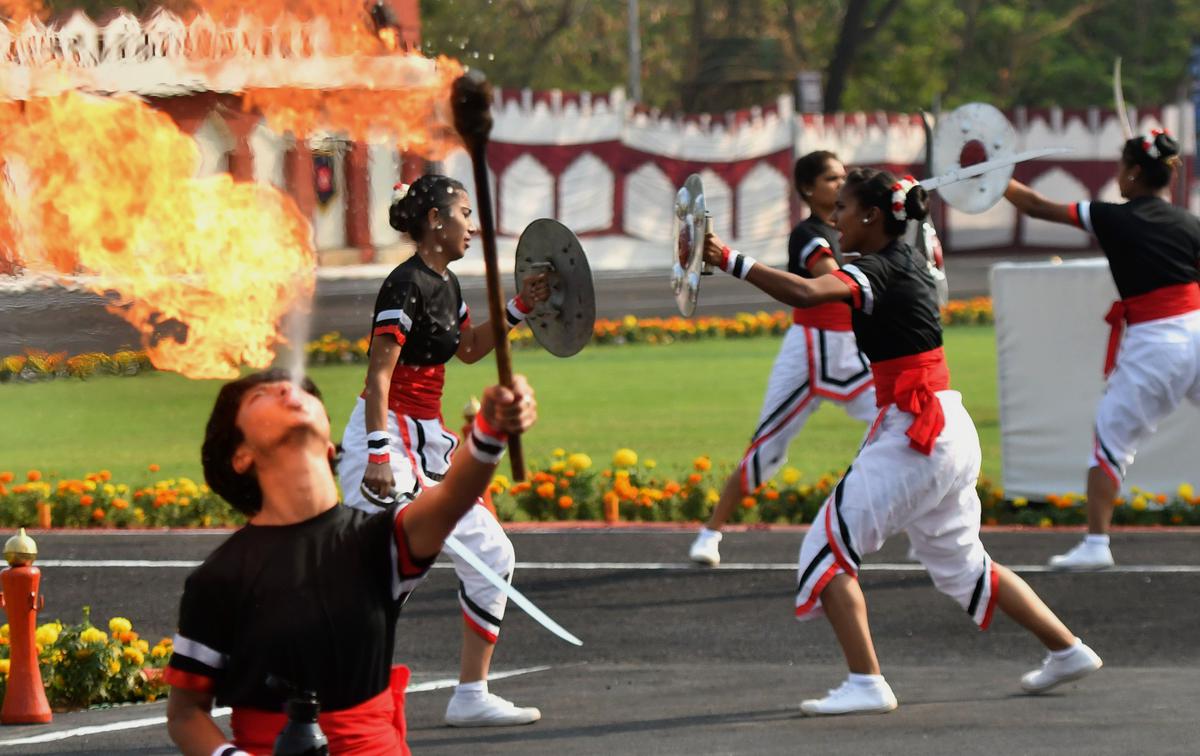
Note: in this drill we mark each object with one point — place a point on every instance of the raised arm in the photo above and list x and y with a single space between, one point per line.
436 510
385 353
1035 205
782 286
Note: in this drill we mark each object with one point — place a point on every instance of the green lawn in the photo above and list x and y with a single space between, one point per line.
668 403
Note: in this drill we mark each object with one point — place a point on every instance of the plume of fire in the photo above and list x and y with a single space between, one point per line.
16 11
104 188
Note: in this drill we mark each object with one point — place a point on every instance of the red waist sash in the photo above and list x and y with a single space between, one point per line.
375 727
911 384
1166 302
831 316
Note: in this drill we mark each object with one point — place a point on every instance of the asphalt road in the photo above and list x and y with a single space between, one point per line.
73 321
681 660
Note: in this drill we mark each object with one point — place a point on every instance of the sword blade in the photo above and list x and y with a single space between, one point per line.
971 171
1119 101
517 597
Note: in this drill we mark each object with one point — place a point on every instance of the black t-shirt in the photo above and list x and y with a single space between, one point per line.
1149 242
423 311
809 241
894 306
314 604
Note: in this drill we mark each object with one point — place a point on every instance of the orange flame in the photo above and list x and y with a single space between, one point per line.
19 10
104 187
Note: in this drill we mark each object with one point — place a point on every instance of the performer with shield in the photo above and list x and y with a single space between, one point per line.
819 360
917 468
309 592
396 444
1153 250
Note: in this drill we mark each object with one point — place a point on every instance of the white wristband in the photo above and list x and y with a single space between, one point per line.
228 749
379 444
486 444
737 264
513 312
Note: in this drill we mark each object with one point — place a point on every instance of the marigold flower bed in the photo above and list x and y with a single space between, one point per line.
332 348
567 487
83 666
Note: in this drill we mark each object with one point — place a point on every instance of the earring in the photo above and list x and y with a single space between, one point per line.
866 221
808 194
438 227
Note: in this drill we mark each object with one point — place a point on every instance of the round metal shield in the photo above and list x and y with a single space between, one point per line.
688 225
971 134
564 323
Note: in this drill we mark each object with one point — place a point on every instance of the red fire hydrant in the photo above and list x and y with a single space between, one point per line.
25 698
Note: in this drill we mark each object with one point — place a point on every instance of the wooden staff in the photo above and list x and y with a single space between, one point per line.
471 100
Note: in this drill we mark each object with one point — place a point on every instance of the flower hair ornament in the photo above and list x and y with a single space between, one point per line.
1150 146
899 194
400 191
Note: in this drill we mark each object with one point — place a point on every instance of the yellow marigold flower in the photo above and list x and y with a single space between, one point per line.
650 464
560 452
1185 491
625 458
4 667
118 625
89 485
139 514
4 630
501 481
558 467
579 461
134 656
109 489
1139 503
703 464
713 496
159 652
1045 522
142 645
791 476
114 667
629 321
47 634
93 635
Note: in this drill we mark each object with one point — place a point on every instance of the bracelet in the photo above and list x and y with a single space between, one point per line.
378 447
735 263
228 749
485 442
516 310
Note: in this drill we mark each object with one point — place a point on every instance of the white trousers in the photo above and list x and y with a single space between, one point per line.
1158 367
891 488
813 366
420 456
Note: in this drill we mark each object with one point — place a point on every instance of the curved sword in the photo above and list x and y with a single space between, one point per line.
1119 101
488 573
971 171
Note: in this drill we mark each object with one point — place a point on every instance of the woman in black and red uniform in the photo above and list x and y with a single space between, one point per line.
309 592
396 444
1153 251
917 469
818 361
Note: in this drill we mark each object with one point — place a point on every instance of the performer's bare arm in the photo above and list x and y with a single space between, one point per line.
785 287
436 510
1037 206
478 340
190 723
385 353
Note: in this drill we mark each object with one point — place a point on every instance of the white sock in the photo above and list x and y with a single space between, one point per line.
477 688
864 681
1096 539
710 532
1063 654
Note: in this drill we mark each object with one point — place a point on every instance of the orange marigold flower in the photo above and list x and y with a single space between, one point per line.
33 476
86 500
771 494
695 478
1161 498
672 488
610 499
120 503
153 468
97 514
565 502
6 477
105 475
748 502
546 490
703 464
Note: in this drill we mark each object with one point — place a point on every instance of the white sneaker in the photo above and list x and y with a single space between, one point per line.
705 549
487 710
1082 661
852 698
1085 556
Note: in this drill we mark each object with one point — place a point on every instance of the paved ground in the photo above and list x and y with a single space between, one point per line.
681 660
77 322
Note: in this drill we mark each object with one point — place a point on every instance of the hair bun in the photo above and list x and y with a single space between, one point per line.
1168 146
916 203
